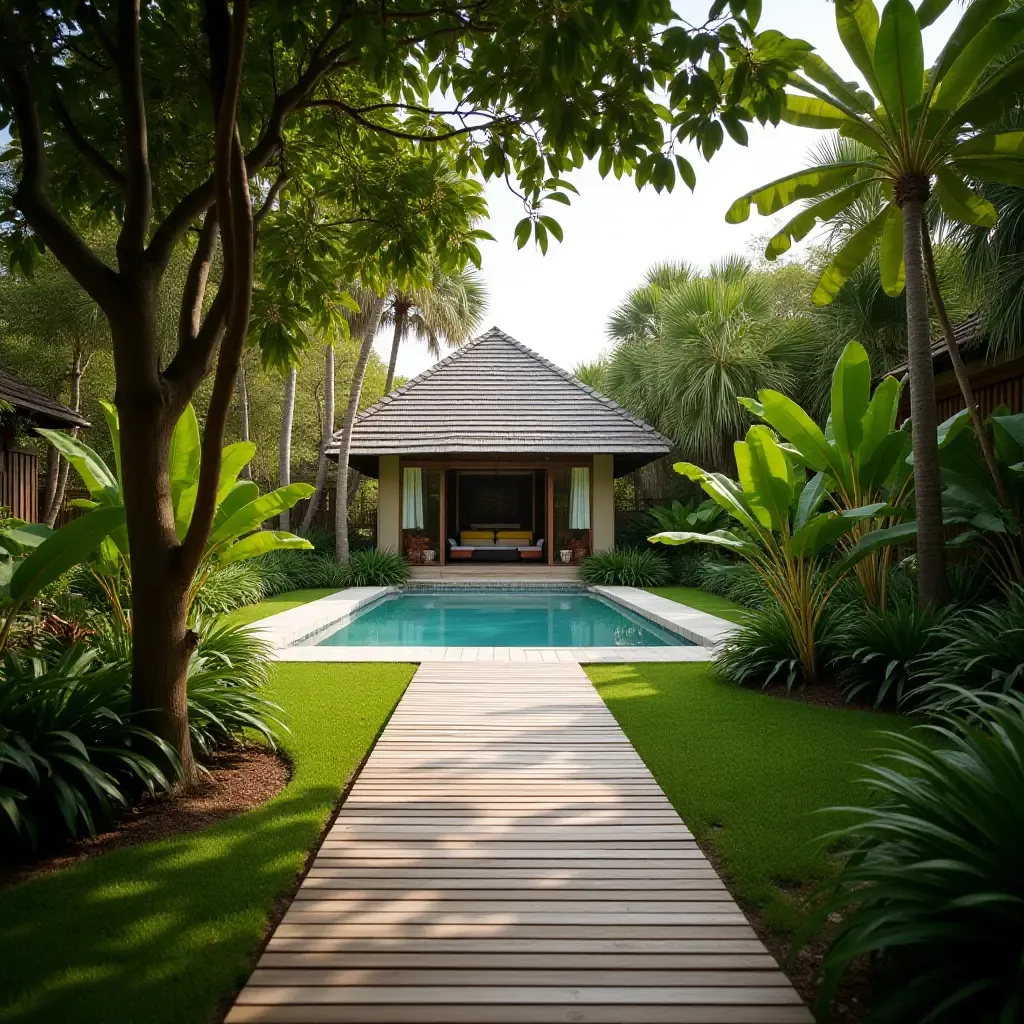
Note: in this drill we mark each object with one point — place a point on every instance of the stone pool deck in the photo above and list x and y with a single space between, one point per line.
505 856
286 629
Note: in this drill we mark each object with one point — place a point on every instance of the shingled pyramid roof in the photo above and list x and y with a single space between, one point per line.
495 395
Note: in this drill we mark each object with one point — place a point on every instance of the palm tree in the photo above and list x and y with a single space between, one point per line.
923 133
284 461
711 339
449 309
636 319
363 325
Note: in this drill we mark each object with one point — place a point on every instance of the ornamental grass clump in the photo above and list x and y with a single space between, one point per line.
624 567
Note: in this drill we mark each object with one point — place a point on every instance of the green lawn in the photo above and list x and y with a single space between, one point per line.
164 932
702 601
746 771
279 603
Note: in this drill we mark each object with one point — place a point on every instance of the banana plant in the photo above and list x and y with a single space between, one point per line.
237 532
970 500
924 132
859 459
705 517
782 533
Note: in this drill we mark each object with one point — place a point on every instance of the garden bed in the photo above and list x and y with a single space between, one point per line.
239 780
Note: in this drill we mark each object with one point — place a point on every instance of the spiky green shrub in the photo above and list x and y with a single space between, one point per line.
762 651
982 651
230 586
933 886
373 567
736 581
624 567
226 676
878 651
70 754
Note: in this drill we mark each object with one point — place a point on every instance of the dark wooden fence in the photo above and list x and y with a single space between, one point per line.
19 483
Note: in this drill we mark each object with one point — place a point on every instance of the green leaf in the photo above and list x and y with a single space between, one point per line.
28 535
183 468
851 394
856 250
791 422
823 210
930 11
770 477
233 460
260 543
114 429
723 492
899 58
523 230
992 144
553 226
243 492
994 97
890 253
857 22
824 530
778 194
717 538
962 203
252 516
877 539
990 37
64 549
99 481
810 500
1002 169
810 112
880 419
848 93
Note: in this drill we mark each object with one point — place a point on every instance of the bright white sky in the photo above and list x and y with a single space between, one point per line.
558 304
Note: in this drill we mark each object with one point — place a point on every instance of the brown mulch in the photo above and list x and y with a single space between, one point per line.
824 695
240 779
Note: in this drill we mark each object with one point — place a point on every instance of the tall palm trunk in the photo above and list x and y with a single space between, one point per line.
326 434
345 442
243 415
61 484
284 465
961 372
401 322
931 580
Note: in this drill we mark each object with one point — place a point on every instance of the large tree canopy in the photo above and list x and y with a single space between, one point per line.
354 125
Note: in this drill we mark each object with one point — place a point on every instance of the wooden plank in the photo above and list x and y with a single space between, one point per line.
506 856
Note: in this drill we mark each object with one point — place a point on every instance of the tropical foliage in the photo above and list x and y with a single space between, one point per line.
782 533
932 885
373 567
624 567
922 133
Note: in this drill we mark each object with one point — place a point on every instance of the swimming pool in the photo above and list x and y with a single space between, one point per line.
496 618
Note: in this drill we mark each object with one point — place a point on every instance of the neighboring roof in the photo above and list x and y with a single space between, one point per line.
495 395
42 410
969 335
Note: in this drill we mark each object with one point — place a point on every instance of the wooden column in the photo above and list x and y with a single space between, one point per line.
550 529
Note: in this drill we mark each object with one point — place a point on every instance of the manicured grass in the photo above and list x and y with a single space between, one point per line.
703 601
279 603
164 932
747 772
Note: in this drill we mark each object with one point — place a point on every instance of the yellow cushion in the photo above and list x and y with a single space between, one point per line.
515 535
477 535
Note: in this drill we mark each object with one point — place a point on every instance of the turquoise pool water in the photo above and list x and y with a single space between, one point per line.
510 618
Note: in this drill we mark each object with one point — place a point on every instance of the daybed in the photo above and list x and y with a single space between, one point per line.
495 546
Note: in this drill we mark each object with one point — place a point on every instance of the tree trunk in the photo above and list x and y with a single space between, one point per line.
243 415
326 435
958 368
162 642
49 509
284 466
931 580
351 408
401 315
62 473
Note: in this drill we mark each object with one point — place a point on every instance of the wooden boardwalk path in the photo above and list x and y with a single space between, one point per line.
506 856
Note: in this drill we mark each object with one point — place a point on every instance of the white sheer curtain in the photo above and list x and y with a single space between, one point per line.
579 499
412 498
